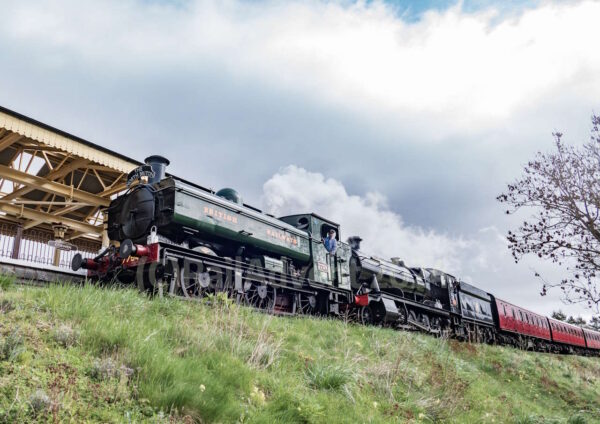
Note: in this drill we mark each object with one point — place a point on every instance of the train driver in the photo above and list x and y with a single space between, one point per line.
330 242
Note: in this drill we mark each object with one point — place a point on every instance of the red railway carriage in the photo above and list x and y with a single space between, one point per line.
566 333
592 339
521 321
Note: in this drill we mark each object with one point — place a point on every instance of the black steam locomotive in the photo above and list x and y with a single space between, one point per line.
174 237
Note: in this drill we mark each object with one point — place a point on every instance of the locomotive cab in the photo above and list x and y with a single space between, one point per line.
326 267
444 288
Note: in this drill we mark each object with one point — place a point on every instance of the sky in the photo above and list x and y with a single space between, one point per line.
400 120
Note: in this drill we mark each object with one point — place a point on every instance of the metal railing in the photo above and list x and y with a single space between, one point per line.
35 248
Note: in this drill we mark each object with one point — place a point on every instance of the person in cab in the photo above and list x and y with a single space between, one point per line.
330 242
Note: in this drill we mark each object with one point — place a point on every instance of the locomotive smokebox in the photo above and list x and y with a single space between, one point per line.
158 164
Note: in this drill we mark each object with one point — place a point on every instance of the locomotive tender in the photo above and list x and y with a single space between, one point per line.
172 236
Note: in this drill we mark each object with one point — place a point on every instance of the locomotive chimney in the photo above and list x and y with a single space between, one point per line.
354 242
158 164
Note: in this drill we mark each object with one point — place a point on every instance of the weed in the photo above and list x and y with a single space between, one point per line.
65 335
577 419
328 377
39 401
6 306
6 281
103 369
12 346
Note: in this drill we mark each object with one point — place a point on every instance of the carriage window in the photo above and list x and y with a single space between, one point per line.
504 307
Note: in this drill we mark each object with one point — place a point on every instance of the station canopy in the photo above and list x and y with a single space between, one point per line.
55 181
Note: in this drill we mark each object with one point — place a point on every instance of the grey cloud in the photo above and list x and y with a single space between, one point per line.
215 91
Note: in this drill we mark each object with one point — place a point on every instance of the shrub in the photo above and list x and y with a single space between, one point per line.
66 336
39 401
103 369
12 347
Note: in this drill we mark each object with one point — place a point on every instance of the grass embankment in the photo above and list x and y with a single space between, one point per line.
84 354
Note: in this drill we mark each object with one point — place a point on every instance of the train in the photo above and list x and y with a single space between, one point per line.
177 238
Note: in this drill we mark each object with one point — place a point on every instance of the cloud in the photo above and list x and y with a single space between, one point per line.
413 125
466 70
384 233
482 259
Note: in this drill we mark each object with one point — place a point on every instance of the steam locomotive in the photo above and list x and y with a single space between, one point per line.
176 238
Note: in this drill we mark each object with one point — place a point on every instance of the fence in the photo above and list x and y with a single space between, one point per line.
34 246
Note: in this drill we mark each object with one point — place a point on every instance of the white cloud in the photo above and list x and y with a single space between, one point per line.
241 88
294 190
465 70
482 258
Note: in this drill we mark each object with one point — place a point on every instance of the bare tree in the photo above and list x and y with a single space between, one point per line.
562 188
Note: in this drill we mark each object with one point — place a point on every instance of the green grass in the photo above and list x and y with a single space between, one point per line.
84 354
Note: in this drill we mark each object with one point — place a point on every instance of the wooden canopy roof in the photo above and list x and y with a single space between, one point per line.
51 179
